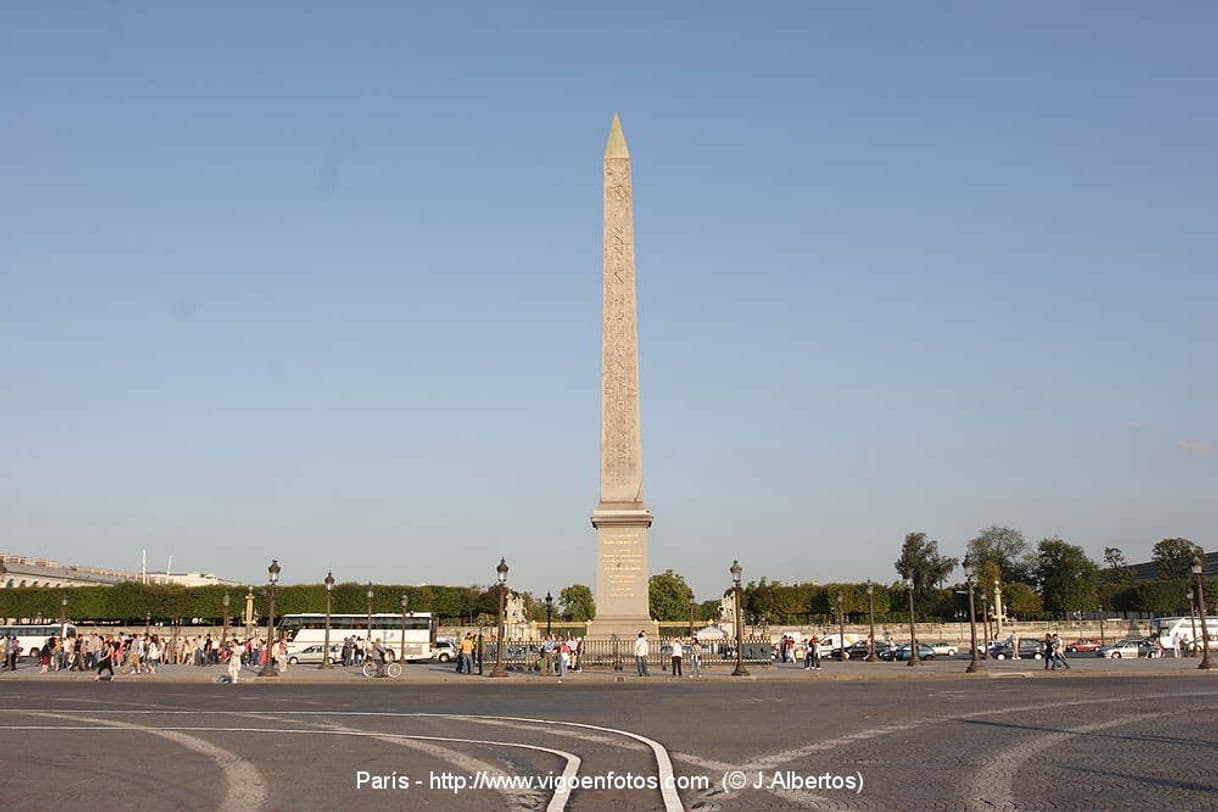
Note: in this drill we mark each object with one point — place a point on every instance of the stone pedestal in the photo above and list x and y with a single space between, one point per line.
622 604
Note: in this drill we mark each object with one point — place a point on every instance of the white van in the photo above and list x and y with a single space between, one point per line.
1167 628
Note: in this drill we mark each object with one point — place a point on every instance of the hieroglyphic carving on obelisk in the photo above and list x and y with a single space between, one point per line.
621 520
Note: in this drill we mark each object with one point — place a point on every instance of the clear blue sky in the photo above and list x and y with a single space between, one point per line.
322 282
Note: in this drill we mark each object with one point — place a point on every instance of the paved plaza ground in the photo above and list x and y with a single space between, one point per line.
1125 735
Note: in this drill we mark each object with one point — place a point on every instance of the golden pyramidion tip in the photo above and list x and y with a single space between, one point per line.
616 148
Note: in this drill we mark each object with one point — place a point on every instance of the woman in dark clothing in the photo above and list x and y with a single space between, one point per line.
105 659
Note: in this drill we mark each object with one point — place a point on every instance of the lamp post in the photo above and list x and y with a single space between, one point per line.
691 613
549 612
740 671
841 626
985 617
402 643
147 623
501 572
871 621
224 601
914 659
1198 567
1192 615
975 663
325 656
268 669
63 610
370 595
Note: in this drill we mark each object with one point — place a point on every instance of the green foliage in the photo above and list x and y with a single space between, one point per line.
1067 577
577 603
1021 601
920 561
1165 597
669 597
1118 570
1006 549
1174 558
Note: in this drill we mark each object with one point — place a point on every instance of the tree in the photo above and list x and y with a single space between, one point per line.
1174 558
1004 547
576 603
1119 571
669 596
1067 577
1022 602
920 561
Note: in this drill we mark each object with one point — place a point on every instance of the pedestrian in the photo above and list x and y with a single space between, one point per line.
467 653
695 657
547 656
677 654
1047 651
154 655
105 661
564 658
1175 644
641 650
814 652
234 666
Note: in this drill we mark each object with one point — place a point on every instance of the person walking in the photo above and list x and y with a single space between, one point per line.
695 657
1175 644
677 654
105 660
234 665
814 653
564 658
1048 651
641 650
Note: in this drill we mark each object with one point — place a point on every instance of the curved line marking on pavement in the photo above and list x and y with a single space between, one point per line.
558 800
777 759
245 787
992 786
557 803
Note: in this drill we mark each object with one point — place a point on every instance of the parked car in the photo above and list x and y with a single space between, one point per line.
444 651
854 651
904 652
944 649
1028 650
1083 645
312 654
1124 649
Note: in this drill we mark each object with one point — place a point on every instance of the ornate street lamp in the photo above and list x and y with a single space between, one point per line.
147 623
841 626
1192 616
224 601
975 663
501 572
914 659
549 611
63 610
370 595
1198 568
325 657
402 643
691 613
871 619
272 573
740 671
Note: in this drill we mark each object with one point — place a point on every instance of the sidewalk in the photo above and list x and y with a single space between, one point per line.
437 674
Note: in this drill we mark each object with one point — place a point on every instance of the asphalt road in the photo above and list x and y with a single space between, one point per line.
1009 743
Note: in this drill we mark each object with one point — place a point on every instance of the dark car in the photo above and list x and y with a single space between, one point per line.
854 651
905 652
1028 650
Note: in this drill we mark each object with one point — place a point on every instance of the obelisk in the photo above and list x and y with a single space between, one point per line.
621 519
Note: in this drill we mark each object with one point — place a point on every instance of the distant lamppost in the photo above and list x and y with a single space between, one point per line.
914 659
501 572
370 595
691 613
268 669
549 612
224 601
740 671
1192 615
325 657
1198 568
871 620
975 664
985 617
147 623
402 643
841 626
63 610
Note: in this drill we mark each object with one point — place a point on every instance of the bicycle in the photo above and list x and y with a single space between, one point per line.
392 669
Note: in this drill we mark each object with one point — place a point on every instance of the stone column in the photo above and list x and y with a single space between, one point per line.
621 519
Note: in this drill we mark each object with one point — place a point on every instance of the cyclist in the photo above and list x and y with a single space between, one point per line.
378 652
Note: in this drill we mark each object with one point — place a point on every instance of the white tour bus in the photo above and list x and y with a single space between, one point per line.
1165 628
33 636
301 631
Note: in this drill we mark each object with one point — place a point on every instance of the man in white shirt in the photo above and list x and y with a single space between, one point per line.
677 654
641 650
